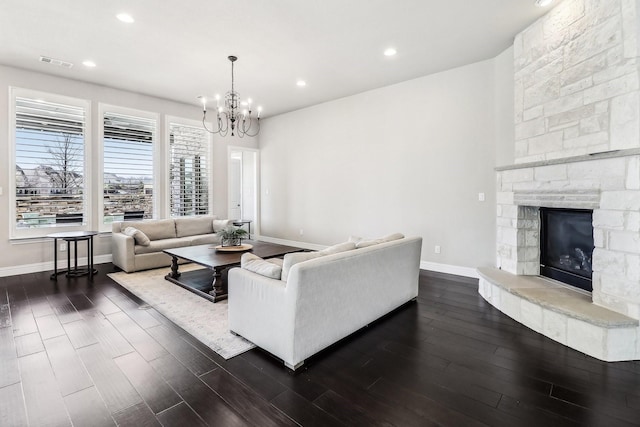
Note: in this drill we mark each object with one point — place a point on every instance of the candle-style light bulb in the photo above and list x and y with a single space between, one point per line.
259 110
204 104
217 100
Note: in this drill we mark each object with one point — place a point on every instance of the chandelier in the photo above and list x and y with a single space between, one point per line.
234 115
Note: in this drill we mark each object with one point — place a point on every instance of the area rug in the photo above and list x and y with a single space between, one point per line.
201 318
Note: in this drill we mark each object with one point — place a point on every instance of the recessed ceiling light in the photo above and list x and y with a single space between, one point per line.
301 83
125 17
89 64
390 52
543 3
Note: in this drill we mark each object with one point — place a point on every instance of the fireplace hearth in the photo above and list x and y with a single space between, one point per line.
566 246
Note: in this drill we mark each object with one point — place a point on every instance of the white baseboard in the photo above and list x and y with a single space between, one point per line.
424 265
303 245
47 266
103 259
449 269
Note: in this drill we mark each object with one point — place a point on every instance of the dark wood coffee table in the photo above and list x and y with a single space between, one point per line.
208 256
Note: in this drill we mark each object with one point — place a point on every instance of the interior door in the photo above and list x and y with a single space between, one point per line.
235 186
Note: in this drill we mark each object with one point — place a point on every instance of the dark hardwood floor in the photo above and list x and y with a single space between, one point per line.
88 353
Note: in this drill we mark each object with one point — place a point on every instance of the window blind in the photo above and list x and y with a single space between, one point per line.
188 170
49 159
128 166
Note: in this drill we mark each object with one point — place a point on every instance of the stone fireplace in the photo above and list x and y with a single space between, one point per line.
577 146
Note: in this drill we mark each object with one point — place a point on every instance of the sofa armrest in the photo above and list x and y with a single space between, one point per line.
122 252
261 310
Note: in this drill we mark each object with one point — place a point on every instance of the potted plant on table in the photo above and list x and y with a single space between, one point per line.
232 236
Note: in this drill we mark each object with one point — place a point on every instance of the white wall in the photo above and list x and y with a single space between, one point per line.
411 157
504 110
34 255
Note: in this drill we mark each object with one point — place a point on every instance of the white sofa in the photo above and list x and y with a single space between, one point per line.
324 299
132 254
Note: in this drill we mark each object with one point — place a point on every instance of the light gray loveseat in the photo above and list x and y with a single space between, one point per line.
324 298
130 255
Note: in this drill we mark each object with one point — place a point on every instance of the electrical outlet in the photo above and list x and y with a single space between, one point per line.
301 232
63 246
437 249
481 197
0 191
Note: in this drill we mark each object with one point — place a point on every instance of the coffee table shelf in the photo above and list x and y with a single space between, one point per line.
218 262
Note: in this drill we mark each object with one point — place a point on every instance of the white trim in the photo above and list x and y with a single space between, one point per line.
102 259
40 232
168 120
303 245
424 265
256 184
449 269
158 174
48 266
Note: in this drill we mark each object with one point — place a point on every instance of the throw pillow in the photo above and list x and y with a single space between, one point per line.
139 237
260 266
363 243
220 224
276 261
340 247
368 242
392 237
294 258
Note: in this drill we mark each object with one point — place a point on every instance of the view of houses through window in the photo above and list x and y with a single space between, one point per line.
49 158
188 170
128 167
51 165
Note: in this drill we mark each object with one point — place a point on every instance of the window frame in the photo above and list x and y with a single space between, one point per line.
169 120
16 233
104 108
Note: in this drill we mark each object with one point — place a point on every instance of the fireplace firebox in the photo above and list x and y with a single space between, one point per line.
566 246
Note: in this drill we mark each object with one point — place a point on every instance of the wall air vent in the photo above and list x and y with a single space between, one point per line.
57 62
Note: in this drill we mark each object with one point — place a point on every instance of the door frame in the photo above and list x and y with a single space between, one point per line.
255 225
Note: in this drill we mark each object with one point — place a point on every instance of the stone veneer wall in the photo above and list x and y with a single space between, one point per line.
577 81
577 91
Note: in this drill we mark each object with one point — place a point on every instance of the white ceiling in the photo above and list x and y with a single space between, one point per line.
178 49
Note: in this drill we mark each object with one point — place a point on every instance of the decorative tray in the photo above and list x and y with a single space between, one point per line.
240 248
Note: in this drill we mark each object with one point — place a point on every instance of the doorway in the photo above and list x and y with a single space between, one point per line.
242 168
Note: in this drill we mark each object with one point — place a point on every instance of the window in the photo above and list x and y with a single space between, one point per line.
49 155
188 170
128 144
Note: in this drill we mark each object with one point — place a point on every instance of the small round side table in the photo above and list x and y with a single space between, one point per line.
73 237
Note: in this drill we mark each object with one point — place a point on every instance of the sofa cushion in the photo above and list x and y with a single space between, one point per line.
191 226
139 237
220 224
294 258
260 266
156 229
205 239
340 247
160 245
